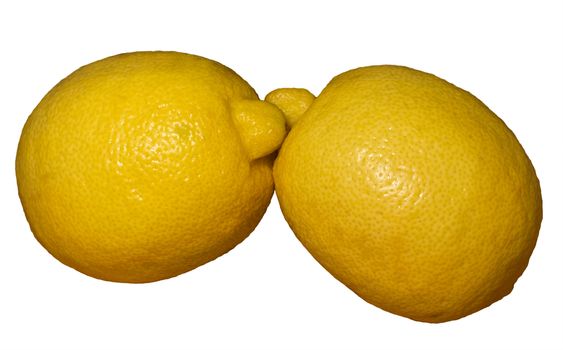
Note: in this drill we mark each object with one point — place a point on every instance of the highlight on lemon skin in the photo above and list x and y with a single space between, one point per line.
411 192
131 169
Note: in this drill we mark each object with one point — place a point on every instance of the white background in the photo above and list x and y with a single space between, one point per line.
269 293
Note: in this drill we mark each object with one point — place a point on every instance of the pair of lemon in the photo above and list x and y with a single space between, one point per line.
409 190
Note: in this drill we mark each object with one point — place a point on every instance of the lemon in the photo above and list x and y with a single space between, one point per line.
411 192
145 165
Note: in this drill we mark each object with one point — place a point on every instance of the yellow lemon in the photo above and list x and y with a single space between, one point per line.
145 165
411 192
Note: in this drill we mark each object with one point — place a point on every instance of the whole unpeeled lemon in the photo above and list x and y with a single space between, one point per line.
410 191
145 165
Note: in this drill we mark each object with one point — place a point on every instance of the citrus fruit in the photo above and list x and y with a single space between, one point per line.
411 192
145 165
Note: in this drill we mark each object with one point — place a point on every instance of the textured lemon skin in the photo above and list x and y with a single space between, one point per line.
261 124
411 192
293 102
131 169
